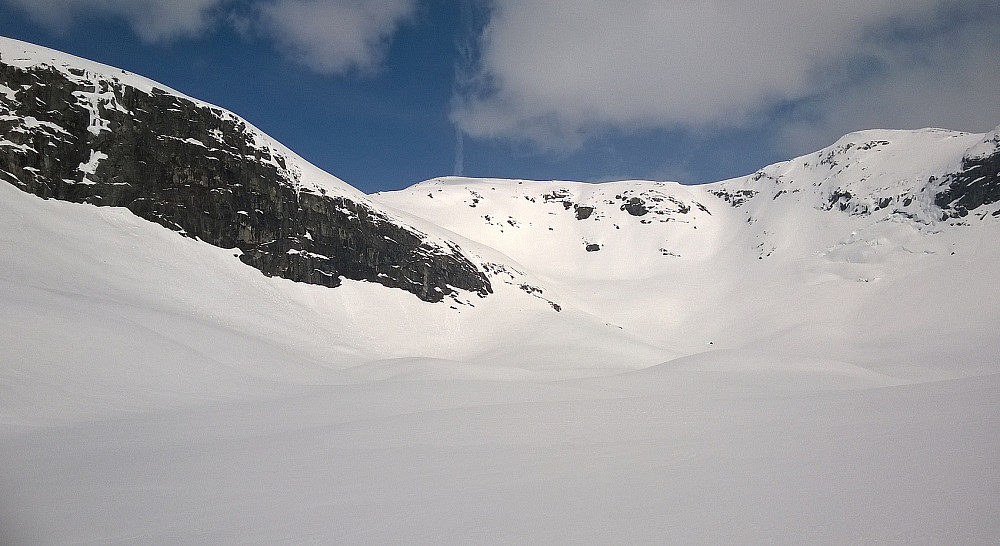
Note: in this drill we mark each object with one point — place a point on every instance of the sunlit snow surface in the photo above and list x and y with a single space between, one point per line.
155 390
797 368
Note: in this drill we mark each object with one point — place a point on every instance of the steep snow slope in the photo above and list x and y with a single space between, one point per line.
615 230
799 244
575 230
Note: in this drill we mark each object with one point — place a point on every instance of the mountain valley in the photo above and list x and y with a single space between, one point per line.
207 339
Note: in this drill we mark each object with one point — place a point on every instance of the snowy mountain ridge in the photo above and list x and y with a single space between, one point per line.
617 228
83 132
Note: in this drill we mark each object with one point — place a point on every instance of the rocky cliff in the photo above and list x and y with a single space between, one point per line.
78 135
976 184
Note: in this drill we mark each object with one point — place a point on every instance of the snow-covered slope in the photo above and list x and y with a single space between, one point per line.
693 265
633 229
804 354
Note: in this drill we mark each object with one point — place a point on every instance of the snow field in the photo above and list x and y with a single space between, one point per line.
155 390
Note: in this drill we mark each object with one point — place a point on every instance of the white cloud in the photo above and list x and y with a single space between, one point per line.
333 36
329 36
554 71
152 20
947 79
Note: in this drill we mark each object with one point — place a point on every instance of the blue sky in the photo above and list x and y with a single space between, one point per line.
377 91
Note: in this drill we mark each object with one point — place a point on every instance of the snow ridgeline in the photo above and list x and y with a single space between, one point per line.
625 229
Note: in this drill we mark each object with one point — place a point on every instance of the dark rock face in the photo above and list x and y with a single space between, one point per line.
977 184
203 172
635 206
840 198
737 197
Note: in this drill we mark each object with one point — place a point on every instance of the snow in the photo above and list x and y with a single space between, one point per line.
90 167
31 123
154 389
7 91
20 147
874 164
783 373
661 458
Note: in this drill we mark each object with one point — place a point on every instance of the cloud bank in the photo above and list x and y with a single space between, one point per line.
332 36
152 20
328 36
555 72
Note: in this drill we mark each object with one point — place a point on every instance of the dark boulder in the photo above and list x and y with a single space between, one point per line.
583 212
635 206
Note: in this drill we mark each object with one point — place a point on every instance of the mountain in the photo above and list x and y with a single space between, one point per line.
803 354
682 263
906 177
87 133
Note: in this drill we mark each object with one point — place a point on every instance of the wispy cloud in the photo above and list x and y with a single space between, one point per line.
555 72
473 14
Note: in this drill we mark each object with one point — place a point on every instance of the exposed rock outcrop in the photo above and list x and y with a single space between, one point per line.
977 184
90 138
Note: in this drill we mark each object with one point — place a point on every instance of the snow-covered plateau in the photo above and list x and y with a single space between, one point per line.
807 354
